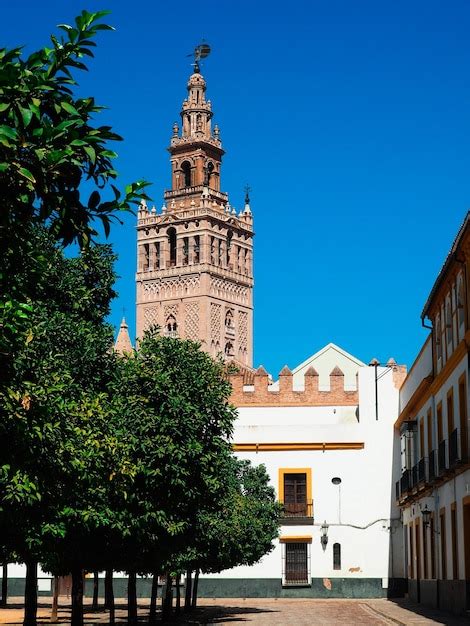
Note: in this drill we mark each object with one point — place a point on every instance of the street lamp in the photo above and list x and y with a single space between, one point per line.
324 535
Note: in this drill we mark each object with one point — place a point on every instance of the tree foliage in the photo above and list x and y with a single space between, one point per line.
106 462
49 146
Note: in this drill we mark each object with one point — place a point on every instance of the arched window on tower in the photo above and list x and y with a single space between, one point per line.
229 247
171 232
229 351
213 255
186 169
171 327
210 174
229 325
197 250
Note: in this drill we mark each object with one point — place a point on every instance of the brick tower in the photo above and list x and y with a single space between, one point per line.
195 273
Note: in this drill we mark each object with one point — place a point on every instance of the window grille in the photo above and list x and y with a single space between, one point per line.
336 556
296 564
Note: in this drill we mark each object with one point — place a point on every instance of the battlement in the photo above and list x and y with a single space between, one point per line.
262 393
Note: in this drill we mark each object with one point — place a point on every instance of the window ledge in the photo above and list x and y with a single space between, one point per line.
296 521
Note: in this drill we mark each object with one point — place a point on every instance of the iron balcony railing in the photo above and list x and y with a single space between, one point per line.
421 470
432 465
414 475
397 490
405 482
454 456
297 509
441 457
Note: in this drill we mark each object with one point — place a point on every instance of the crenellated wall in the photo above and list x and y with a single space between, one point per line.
261 393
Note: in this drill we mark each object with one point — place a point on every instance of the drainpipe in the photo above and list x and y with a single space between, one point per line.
437 519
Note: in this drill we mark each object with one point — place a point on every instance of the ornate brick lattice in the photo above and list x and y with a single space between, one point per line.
170 309
191 320
228 290
216 310
171 287
150 317
243 330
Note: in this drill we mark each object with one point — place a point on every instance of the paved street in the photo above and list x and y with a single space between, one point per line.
267 612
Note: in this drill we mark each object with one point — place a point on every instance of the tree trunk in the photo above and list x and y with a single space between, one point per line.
195 584
178 593
153 600
187 591
96 588
132 599
77 597
4 584
55 600
31 594
108 581
167 604
109 594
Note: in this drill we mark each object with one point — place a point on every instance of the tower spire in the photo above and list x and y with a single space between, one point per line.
195 276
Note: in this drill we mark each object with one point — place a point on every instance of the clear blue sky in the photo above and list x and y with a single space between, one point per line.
351 123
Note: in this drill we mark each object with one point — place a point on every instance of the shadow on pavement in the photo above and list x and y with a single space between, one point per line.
439 616
205 615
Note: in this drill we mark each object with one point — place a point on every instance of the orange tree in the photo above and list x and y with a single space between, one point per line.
50 145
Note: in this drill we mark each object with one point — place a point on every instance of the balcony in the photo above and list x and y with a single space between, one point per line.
405 482
432 465
454 456
298 513
421 471
441 457
414 476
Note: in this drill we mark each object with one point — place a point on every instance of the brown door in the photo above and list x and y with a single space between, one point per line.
295 495
466 539
463 418
418 552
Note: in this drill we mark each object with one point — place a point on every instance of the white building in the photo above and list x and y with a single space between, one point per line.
434 487
326 436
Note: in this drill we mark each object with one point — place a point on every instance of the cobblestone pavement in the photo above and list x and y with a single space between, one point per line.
265 612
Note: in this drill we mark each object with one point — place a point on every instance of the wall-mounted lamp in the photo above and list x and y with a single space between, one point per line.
426 513
324 535
409 428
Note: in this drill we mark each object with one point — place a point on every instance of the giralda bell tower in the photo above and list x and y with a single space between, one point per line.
195 270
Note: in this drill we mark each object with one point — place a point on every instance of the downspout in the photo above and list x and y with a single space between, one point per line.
437 522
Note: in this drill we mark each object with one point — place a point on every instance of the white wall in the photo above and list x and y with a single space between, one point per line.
366 495
421 368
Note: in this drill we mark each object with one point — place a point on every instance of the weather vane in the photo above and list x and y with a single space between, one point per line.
200 52
247 194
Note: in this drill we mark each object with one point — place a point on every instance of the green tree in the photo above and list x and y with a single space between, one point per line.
50 145
240 532
53 438
175 401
